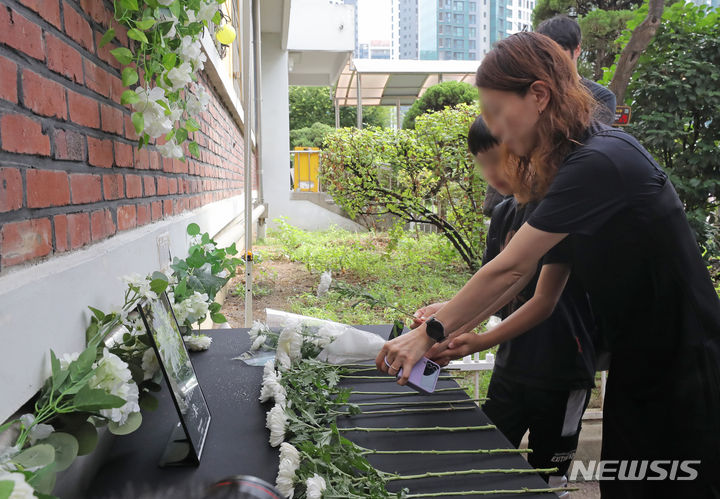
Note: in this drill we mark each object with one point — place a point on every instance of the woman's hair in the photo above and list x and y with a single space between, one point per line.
479 137
513 65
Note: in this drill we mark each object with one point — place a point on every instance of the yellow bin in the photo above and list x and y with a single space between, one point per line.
305 168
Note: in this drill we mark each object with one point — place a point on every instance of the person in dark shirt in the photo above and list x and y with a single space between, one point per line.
632 249
544 370
565 31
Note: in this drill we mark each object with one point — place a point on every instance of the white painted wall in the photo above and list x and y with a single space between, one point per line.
318 25
276 146
44 306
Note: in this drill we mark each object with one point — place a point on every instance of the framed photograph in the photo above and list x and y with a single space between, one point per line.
188 437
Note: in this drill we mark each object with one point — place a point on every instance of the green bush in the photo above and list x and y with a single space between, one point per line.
423 175
309 105
438 97
311 136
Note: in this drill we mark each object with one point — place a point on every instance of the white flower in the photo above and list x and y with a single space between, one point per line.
21 489
493 321
148 100
150 364
259 341
276 422
198 100
325 281
315 486
207 11
180 76
157 124
141 285
67 359
289 463
289 346
38 431
272 388
166 3
192 309
112 375
171 149
198 342
269 367
257 328
135 280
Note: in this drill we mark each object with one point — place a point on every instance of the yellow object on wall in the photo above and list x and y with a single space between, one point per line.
306 167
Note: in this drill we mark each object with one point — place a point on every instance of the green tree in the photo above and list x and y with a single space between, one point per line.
545 9
600 31
422 175
675 96
309 105
311 136
438 97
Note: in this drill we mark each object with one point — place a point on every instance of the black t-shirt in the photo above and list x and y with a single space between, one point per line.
559 352
635 254
606 101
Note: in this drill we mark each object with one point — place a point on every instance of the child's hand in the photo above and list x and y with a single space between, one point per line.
458 347
425 313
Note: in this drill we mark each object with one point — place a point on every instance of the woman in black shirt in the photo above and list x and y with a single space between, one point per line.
634 252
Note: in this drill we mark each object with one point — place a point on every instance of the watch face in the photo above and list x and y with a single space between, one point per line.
435 330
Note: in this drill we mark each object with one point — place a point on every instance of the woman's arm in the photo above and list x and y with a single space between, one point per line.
551 283
492 287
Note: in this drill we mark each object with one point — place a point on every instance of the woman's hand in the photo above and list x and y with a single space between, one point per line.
458 347
425 313
403 353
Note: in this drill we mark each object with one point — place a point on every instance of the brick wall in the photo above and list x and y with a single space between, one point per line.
70 170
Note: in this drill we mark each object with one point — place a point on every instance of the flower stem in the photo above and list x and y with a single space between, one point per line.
407 411
421 402
524 490
450 429
441 452
391 477
438 390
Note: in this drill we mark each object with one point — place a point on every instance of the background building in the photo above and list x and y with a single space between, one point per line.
405 29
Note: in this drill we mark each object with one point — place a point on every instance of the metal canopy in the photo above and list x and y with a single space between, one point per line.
397 82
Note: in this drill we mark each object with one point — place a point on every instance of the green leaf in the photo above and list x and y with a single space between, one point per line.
87 437
148 402
169 60
181 135
109 35
66 449
193 229
6 488
129 97
129 76
93 400
83 365
138 121
37 456
43 481
217 18
158 285
123 55
129 4
133 422
138 35
194 149
218 318
145 24
191 125
59 375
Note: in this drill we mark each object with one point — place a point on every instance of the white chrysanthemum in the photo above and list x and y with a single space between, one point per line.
289 346
259 341
269 367
315 486
150 364
289 463
171 149
112 375
272 388
276 422
325 282
21 489
198 342
257 329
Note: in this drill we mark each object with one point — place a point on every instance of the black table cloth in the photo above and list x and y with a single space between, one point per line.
237 442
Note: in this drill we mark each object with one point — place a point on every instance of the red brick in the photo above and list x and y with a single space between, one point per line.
156 208
130 129
20 33
126 217
97 11
113 186
61 233
8 80
43 96
162 186
120 32
149 184
143 214
77 27
69 145
168 207
48 10
142 161
133 186
23 135
26 240
123 154
47 188
111 119
11 189
79 229
172 186
96 78
104 51
155 161
63 59
83 110
100 152
101 224
116 88
85 188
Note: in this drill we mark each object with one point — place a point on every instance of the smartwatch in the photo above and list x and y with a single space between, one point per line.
435 329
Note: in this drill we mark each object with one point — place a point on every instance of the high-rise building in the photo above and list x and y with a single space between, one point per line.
508 17
404 29
444 29
354 3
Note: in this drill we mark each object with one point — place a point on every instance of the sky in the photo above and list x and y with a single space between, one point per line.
373 20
